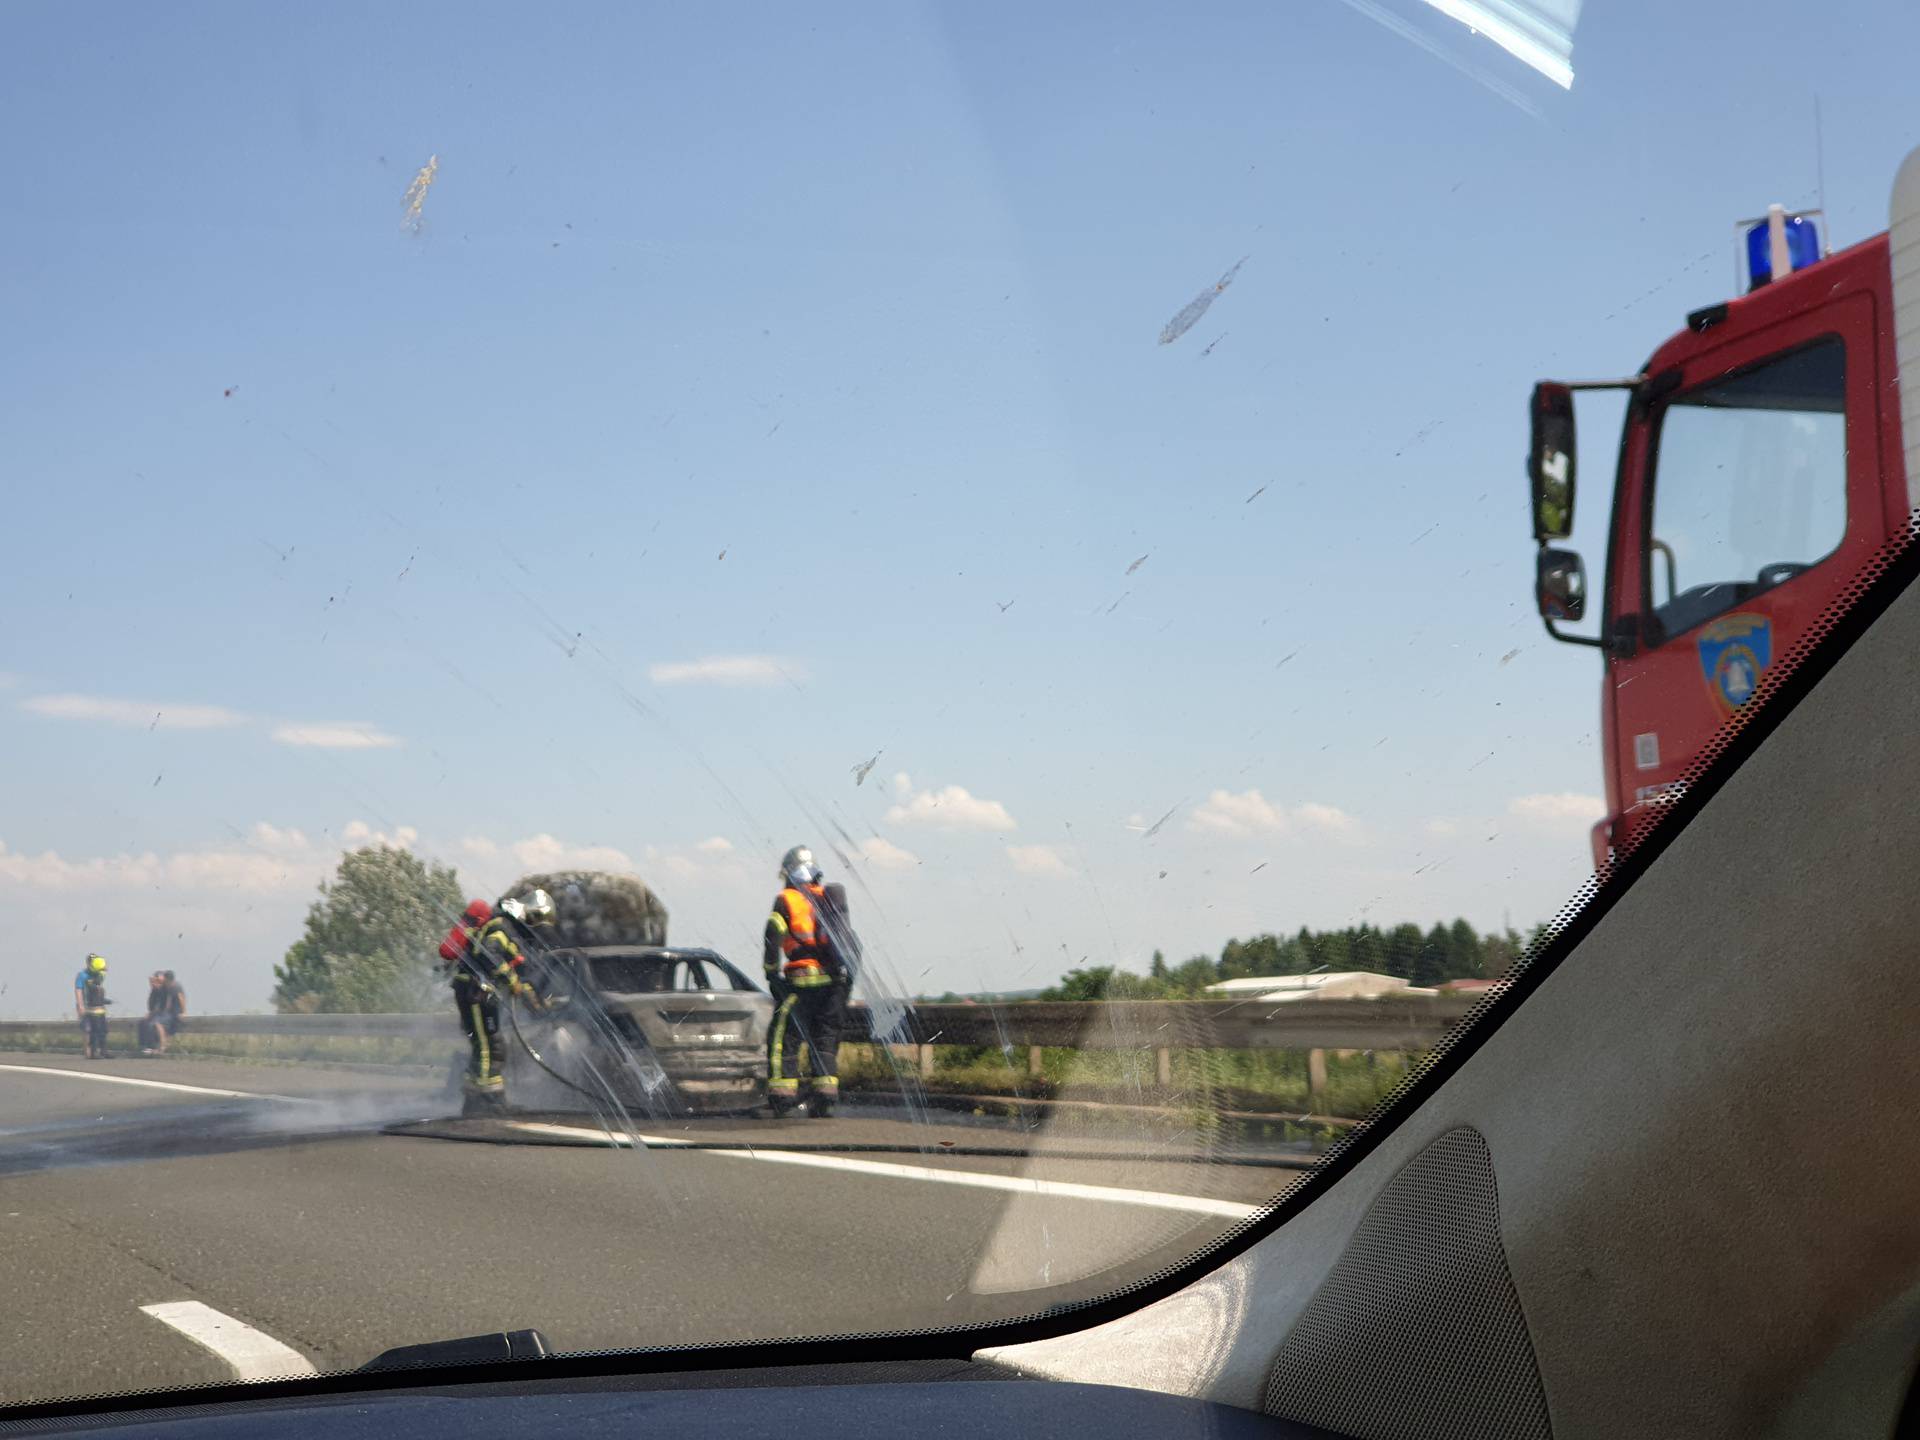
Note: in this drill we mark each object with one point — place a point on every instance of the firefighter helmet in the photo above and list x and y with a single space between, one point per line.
478 912
797 867
514 909
538 905
97 964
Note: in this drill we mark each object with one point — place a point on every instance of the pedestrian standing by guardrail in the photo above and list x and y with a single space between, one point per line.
166 1008
176 1005
90 1005
153 1029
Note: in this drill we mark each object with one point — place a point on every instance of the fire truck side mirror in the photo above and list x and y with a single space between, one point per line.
1551 461
1560 584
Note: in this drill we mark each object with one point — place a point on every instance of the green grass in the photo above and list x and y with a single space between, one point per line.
395 1050
384 1050
1258 1081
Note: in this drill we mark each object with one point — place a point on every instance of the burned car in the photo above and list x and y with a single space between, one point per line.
669 1030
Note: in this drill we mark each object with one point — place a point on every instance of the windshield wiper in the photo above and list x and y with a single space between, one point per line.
467 1350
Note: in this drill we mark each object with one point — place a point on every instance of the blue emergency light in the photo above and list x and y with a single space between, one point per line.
1803 248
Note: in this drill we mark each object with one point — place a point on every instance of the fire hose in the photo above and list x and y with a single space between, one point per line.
519 1035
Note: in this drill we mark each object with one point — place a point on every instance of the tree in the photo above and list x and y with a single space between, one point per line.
1191 977
1499 953
1404 943
1441 953
1435 963
1262 955
369 940
1088 984
1368 950
1326 950
1468 959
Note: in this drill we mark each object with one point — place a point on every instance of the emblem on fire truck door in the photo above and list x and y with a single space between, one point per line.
1735 651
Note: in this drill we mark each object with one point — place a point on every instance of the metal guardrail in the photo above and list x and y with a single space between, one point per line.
1390 1022
411 1026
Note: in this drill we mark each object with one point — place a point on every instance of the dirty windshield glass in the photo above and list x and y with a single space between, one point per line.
679 676
1751 483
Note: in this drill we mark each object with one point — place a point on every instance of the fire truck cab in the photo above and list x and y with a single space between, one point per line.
1760 467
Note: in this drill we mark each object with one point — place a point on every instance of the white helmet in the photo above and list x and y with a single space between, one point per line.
797 867
538 905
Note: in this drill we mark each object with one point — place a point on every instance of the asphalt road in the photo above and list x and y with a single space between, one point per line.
292 1209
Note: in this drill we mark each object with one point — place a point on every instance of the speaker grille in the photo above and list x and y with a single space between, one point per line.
1417 1332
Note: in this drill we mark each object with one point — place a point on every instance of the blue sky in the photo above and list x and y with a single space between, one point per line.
783 348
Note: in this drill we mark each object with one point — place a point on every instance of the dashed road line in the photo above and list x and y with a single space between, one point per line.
253 1354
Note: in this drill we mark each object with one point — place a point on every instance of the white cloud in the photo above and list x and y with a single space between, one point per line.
953 808
1566 807
143 714
271 837
885 855
902 783
348 736
1329 819
235 870
358 832
1037 860
1248 813
1444 829
248 871
544 852
672 862
725 670
705 858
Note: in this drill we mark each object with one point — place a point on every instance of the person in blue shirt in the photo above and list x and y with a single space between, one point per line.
90 1005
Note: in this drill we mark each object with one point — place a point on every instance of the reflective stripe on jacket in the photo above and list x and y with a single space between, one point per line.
798 950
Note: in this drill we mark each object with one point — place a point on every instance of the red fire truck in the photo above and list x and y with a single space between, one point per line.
1760 466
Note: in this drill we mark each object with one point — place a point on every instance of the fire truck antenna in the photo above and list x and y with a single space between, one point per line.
1820 178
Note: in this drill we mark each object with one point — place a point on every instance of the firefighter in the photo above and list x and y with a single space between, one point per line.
809 975
460 933
90 1005
522 929
492 961
473 999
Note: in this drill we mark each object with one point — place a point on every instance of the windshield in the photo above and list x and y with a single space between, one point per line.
1751 484
720 675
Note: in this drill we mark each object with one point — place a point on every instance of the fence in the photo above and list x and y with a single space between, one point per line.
1389 1022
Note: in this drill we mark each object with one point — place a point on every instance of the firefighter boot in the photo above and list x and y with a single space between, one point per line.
822 1096
485 1095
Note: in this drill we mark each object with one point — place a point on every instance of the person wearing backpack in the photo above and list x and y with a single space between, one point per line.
90 1005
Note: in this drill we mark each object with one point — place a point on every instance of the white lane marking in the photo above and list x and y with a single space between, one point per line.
157 1084
1060 1189
605 1137
252 1354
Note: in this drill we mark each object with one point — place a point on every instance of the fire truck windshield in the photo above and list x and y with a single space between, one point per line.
1749 487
